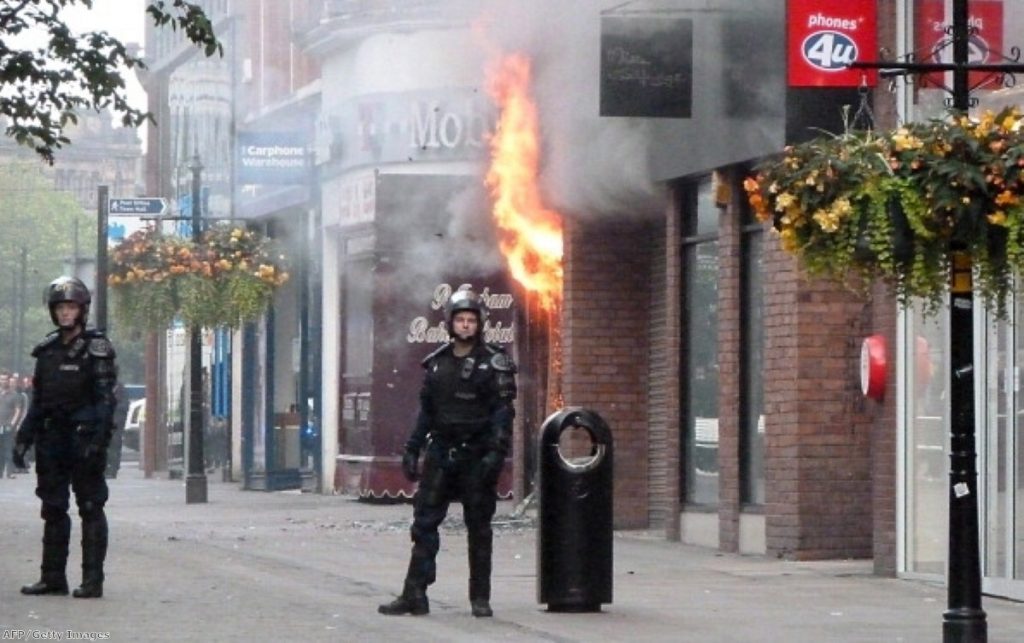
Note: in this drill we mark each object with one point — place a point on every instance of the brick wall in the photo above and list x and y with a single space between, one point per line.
729 383
884 443
884 318
662 381
605 343
818 426
673 316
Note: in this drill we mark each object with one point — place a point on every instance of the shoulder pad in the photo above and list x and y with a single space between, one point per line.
47 341
500 361
100 346
435 354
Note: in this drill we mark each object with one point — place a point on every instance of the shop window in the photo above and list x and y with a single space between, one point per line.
927 429
751 362
699 379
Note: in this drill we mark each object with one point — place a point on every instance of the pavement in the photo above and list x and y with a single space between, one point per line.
290 566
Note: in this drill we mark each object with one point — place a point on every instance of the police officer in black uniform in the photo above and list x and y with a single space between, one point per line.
70 423
465 423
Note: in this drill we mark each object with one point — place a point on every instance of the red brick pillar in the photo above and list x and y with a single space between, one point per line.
605 344
818 427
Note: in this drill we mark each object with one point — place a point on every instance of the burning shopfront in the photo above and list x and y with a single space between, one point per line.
409 215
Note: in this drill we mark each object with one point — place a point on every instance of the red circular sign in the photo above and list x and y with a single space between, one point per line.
872 367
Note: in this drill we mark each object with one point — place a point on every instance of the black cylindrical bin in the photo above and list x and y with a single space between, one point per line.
574 539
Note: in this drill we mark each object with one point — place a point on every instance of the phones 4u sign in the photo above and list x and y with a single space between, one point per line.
825 36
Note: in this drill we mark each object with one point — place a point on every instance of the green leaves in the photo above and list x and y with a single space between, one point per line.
43 87
189 18
894 206
226 279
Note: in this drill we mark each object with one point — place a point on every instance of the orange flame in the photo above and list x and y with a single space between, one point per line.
531 234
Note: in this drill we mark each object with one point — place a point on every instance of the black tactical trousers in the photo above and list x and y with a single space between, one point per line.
453 474
62 466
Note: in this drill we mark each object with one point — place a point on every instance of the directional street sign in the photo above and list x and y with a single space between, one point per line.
137 206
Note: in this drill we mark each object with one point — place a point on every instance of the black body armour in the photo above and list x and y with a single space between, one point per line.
464 392
74 382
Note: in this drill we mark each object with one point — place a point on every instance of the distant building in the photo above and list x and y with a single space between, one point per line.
99 154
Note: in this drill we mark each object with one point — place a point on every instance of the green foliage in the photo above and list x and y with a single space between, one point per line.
899 206
41 220
226 279
45 87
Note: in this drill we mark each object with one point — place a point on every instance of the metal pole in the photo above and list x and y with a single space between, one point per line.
100 303
964 620
195 481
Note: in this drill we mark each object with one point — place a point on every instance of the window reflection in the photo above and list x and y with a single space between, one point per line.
927 429
700 299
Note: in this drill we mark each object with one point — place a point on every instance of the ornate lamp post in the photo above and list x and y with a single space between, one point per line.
195 481
964 619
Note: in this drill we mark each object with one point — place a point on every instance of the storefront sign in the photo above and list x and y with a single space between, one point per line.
498 329
825 37
872 367
399 127
984 44
271 157
646 66
350 199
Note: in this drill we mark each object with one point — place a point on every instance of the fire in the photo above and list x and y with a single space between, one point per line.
531 234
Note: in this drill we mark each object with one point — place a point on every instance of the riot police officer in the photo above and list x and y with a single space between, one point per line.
70 423
465 423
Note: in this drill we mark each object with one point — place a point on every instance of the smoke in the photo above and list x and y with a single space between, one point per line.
439 227
593 166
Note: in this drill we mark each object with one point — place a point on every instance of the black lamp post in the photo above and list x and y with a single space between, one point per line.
964 619
195 481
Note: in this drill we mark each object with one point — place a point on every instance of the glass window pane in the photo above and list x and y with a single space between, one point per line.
927 428
707 211
701 362
995 475
752 356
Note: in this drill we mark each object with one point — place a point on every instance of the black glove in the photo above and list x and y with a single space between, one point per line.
18 455
410 464
92 441
491 464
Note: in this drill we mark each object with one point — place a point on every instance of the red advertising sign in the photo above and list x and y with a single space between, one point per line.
934 44
825 36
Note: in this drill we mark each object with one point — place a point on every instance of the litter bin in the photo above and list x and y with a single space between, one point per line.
574 540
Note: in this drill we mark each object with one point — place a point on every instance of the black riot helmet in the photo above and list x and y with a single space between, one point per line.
462 300
70 289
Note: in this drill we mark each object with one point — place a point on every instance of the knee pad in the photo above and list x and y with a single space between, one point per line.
91 510
52 513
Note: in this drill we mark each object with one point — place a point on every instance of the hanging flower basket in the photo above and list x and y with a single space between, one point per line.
862 206
226 279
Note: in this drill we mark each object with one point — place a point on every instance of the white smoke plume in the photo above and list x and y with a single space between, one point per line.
592 165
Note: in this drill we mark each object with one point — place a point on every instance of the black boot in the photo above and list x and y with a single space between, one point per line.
481 607
94 552
480 575
412 601
91 587
48 584
56 533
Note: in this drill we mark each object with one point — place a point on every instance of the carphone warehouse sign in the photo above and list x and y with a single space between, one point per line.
271 157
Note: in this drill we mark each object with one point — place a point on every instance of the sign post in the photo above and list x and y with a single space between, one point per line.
964 620
137 206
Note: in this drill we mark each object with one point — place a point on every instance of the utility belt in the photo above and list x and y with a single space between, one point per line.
459 443
66 425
